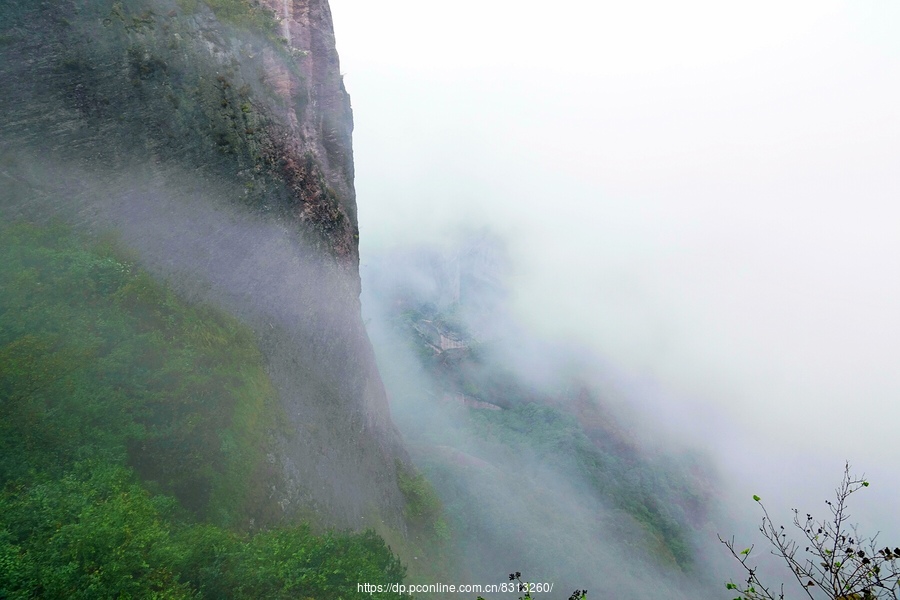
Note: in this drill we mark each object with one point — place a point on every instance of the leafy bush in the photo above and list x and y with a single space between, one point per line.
93 533
96 533
127 416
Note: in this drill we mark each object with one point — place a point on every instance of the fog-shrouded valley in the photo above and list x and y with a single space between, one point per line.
336 299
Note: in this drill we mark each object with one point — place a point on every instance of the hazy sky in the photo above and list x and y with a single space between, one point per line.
705 192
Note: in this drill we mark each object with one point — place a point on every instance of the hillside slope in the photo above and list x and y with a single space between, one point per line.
529 443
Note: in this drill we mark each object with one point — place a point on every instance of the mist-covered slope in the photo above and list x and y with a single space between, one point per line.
185 371
525 441
212 141
135 436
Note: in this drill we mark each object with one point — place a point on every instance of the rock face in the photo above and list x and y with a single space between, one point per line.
317 144
214 137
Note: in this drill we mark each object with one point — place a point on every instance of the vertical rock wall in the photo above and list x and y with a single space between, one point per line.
216 141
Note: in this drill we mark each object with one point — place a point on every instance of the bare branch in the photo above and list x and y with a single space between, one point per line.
836 560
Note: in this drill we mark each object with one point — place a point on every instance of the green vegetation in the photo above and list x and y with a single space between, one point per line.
426 545
535 432
424 509
240 13
92 533
650 493
515 462
133 431
99 361
96 533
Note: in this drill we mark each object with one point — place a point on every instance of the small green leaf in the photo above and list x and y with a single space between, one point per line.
745 551
865 484
755 497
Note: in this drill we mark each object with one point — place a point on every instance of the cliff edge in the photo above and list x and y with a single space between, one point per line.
213 137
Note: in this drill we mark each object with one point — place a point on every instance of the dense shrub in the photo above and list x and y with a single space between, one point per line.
133 428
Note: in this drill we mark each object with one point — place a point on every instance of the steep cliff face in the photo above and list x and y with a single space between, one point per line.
324 130
214 138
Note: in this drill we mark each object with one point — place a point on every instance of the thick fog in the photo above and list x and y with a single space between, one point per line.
704 193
